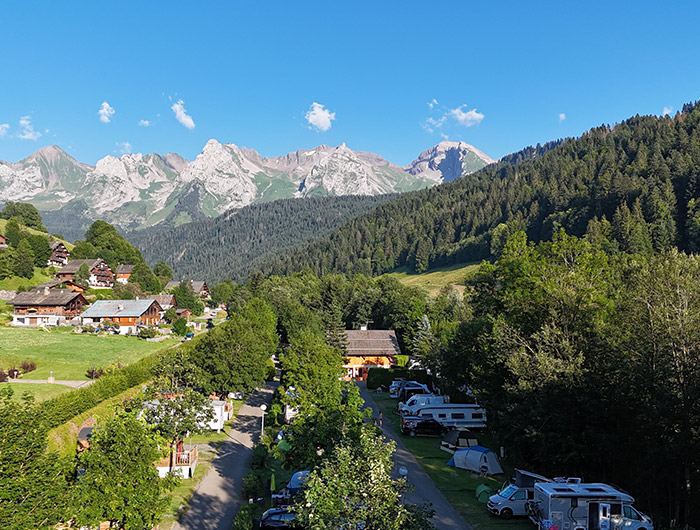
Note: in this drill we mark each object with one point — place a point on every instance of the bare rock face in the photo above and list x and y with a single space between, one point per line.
448 161
136 190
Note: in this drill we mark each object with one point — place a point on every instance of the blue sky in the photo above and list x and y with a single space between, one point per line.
389 77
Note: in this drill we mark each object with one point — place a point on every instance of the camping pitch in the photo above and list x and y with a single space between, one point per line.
476 459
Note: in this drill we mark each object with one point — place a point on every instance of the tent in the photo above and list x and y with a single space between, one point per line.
457 439
297 481
476 459
483 492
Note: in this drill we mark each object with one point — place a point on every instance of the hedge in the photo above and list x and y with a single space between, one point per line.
383 377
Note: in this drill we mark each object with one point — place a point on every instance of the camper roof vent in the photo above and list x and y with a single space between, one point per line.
573 480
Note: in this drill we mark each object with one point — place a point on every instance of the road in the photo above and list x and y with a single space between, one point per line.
446 517
217 498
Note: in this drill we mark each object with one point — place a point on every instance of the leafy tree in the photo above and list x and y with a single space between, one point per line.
142 275
82 277
103 241
40 248
186 298
12 232
354 488
120 483
180 326
24 260
171 315
164 272
25 212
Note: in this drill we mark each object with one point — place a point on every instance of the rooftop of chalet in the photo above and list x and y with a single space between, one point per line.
372 343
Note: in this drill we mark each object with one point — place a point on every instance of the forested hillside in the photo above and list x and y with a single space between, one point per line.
635 183
234 244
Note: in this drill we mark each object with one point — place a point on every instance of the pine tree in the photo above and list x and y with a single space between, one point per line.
24 260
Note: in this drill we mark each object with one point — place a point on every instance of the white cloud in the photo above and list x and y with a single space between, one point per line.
124 147
667 111
181 114
26 130
106 112
319 117
432 103
431 124
144 123
562 116
444 136
4 127
466 118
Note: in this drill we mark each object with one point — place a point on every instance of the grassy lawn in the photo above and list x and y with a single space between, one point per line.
435 279
13 282
69 354
215 437
457 485
40 392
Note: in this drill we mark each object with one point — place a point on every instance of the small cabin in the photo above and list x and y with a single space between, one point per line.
59 255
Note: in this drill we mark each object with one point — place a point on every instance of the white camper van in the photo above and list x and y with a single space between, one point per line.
511 498
414 402
579 506
454 415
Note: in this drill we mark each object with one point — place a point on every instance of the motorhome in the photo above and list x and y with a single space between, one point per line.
419 400
581 506
454 415
512 497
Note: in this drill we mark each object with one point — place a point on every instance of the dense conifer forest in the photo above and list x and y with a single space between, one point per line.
637 181
233 244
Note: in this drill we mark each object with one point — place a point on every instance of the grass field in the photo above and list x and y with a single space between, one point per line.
435 279
69 354
3 224
14 282
458 486
40 392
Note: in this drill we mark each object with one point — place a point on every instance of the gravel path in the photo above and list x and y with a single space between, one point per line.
217 499
446 517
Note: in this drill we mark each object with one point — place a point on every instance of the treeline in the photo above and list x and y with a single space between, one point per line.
637 181
233 244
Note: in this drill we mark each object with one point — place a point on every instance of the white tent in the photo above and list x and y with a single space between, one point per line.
476 459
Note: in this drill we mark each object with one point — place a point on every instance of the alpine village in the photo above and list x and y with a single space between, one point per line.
328 340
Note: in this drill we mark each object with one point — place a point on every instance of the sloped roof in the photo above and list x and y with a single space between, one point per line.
74 265
53 245
125 269
54 297
118 308
373 342
163 299
197 286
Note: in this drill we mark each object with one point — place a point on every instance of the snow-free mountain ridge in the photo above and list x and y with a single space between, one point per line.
135 190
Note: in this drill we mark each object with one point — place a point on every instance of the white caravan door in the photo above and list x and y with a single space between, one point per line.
604 516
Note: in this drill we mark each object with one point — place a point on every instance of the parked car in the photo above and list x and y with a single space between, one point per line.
395 386
189 336
280 517
413 425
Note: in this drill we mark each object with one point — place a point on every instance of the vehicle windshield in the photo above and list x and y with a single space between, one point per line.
508 491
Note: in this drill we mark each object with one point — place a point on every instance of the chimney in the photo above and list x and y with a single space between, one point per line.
120 307
46 291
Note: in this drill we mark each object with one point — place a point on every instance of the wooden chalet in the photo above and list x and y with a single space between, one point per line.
101 274
166 301
197 286
3 241
376 348
124 273
58 284
184 313
128 314
46 307
59 255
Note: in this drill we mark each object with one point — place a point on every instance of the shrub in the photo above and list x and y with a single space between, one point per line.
180 326
13 373
88 329
254 485
95 373
270 370
148 333
259 457
27 366
247 517
3 376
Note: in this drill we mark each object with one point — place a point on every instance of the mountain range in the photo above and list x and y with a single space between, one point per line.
136 191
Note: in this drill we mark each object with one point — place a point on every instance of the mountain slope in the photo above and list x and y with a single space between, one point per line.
448 161
233 244
643 176
136 191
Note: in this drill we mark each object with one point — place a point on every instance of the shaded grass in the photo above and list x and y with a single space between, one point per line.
12 283
214 437
457 485
40 392
69 354
435 279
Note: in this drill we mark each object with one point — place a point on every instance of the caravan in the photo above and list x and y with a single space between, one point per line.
513 495
419 400
575 506
454 415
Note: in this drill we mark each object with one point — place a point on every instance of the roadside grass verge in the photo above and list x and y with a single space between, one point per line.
457 485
